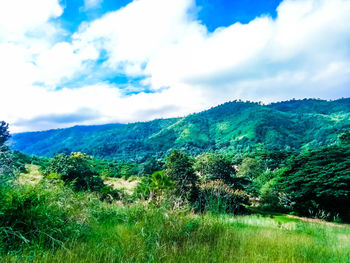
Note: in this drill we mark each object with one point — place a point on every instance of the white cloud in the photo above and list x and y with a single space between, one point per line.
21 16
135 33
304 52
63 61
107 100
158 39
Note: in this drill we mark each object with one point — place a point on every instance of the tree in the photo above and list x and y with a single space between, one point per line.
345 138
6 160
4 132
150 166
251 168
6 164
75 168
213 166
179 168
319 181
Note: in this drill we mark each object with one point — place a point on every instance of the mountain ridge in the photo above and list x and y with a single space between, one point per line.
229 127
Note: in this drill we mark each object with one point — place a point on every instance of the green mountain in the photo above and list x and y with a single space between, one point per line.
231 127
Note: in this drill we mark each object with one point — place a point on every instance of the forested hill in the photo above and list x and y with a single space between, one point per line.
230 127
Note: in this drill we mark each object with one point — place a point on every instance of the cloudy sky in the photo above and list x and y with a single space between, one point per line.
68 62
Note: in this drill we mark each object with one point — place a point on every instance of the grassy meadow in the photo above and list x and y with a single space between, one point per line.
140 231
136 234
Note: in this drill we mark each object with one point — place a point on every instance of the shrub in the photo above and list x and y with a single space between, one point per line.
109 194
217 197
155 185
269 193
76 169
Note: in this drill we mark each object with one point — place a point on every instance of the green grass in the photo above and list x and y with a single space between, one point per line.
95 231
141 234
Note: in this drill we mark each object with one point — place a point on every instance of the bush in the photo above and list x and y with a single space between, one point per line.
217 197
37 217
76 169
268 187
109 194
155 185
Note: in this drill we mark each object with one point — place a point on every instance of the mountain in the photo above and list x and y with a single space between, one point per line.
231 127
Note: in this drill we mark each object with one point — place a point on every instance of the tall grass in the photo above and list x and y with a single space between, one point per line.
49 222
43 216
148 234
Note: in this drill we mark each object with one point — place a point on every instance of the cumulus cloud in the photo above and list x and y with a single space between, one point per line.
134 34
20 16
161 40
304 52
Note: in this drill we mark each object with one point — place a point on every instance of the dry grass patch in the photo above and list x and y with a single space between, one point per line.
33 177
128 186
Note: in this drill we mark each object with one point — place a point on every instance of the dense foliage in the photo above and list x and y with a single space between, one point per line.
179 168
36 216
319 182
6 157
234 127
212 166
76 169
154 186
217 197
4 133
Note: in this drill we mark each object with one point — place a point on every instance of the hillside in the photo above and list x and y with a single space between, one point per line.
230 127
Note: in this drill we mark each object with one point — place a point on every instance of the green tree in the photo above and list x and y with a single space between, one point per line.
345 138
4 132
319 181
150 166
179 168
250 167
6 158
75 168
211 166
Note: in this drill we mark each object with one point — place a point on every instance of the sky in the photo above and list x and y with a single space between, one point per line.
84 62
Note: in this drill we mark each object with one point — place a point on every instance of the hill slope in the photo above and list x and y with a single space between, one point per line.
233 126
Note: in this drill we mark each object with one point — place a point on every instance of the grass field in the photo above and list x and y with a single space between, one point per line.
140 232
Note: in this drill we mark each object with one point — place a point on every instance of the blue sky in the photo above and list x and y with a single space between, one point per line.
213 13
69 62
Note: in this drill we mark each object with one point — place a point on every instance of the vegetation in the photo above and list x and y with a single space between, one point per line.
318 182
233 191
75 168
217 197
212 166
179 168
231 128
